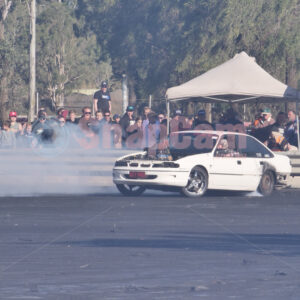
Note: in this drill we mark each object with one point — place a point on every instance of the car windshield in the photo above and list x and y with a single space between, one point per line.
182 144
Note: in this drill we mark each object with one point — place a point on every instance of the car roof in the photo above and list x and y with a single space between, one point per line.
211 132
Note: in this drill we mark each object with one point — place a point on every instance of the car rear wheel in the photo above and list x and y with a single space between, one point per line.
267 183
197 183
130 190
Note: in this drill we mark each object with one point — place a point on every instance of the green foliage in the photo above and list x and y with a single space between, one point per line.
158 43
66 60
67 56
163 43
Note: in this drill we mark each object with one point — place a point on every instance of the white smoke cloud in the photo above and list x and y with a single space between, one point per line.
59 167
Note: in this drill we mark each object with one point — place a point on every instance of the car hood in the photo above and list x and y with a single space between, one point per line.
191 158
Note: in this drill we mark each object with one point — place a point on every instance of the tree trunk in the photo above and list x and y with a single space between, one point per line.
61 70
208 112
3 80
3 99
32 93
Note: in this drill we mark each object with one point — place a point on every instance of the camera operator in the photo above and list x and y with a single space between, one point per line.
42 129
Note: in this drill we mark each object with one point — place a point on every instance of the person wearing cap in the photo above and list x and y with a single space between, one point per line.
178 122
201 119
42 129
15 126
263 126
102 100
266 119
116 119
127 120
41 123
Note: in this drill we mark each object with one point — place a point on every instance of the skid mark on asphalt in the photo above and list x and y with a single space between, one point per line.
103 212
245 240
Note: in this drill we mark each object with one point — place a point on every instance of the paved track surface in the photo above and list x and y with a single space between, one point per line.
158 246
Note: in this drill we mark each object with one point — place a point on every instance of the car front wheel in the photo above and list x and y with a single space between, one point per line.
197 183
267 183
130 190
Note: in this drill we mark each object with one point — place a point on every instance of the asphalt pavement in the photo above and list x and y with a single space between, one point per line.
157 246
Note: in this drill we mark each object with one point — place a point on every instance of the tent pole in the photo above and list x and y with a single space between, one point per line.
297 118
168 117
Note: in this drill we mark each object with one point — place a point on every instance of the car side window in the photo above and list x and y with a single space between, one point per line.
249 147
227 147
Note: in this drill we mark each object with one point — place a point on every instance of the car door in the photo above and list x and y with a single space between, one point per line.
226 171
254 154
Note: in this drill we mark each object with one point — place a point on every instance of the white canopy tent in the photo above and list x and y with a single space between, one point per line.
240 79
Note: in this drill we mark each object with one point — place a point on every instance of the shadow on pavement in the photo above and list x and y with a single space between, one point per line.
275 244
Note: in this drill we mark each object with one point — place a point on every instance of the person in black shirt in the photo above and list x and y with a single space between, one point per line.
127 120
102 100
201 120
72 118
43 129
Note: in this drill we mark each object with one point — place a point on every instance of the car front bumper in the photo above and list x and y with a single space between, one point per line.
282 180
161 177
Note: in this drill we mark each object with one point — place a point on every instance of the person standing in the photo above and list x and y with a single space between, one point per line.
7 137
291 129
72 118
87 123
99 115
42 129
136 133
102 100
126 121
117 131
116 119
87 137
201 120
107 118
266 119
27 138
178 122
15 126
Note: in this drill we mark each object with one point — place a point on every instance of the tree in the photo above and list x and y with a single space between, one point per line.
65 60
165 43
5 55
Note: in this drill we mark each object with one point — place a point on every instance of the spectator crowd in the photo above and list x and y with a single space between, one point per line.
137 132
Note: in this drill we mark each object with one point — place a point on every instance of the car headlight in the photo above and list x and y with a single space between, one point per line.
121 163
166 164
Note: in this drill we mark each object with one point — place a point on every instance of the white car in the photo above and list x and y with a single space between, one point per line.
195 161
